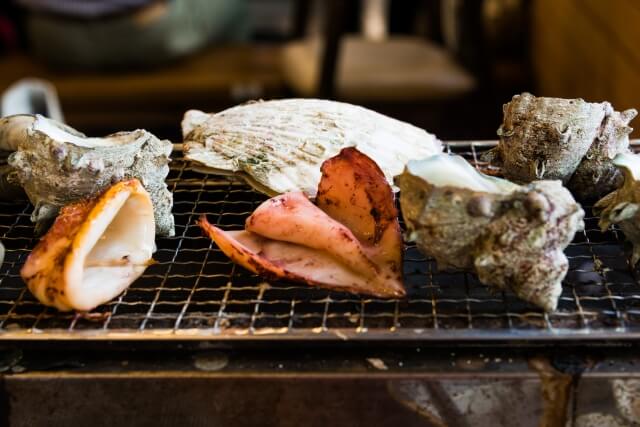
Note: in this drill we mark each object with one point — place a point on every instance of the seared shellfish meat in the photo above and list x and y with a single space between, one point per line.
350 241
278 146
95 249
511 236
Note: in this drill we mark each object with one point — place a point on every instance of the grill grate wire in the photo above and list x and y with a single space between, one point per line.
194 291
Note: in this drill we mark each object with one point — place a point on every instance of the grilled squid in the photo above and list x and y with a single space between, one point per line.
95 249
349 241
279 146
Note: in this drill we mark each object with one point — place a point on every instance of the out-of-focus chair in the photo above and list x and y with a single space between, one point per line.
373 66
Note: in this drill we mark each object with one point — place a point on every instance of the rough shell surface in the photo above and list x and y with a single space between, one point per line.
512 240
566 139
279 146
57 165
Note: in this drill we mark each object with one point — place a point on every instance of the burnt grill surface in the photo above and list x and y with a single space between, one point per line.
195 292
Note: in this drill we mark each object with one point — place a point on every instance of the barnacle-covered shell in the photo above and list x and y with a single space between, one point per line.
511 236
57 165
622 207
350 241
9 191
566 139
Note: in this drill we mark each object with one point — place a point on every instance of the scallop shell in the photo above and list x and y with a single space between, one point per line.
279 146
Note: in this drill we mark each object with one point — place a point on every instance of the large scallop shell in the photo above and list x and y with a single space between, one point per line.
279 146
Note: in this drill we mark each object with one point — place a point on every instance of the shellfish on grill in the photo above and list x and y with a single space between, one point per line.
511 236
57 165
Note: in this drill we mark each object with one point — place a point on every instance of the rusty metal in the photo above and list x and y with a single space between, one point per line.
194 292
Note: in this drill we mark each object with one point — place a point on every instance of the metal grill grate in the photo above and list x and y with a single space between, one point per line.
195 292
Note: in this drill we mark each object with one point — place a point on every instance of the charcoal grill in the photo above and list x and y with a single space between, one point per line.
194 292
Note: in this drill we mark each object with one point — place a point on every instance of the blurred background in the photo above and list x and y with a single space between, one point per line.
445 65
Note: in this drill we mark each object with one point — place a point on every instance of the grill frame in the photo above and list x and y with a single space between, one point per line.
194 293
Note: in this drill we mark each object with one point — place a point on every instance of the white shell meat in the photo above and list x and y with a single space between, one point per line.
278 146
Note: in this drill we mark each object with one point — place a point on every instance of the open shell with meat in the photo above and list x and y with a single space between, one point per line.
511 236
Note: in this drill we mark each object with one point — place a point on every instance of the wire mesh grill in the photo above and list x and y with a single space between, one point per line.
195 292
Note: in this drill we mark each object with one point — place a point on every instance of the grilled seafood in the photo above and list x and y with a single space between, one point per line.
95 249
279 146
57 165
512 236
622 207
566 139
349 242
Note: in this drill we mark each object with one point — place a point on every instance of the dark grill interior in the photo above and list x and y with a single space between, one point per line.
194 291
